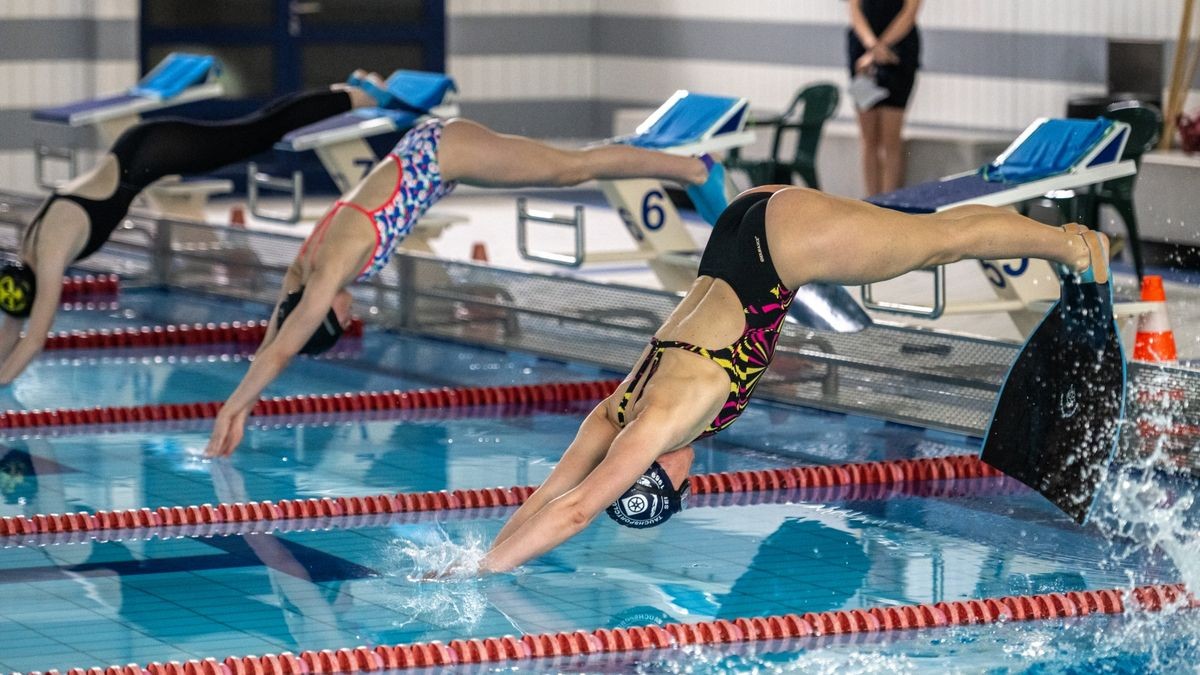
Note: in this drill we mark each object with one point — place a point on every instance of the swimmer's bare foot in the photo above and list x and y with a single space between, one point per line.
359 98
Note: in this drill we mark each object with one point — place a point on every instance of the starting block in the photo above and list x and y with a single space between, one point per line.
1050 155
340 142
686 124
180 78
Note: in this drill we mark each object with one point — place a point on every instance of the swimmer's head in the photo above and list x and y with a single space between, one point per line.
18 285
651 501
332 326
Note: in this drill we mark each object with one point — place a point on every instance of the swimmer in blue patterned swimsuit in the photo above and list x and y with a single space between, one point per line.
360 232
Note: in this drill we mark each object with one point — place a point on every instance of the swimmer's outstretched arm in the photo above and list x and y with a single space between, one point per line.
10 333
653 433
586 451
50 268
269 361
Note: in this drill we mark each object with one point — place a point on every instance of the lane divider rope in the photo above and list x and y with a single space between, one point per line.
820 495
350 402
248 333
318 419
80 287
861 473
1152 598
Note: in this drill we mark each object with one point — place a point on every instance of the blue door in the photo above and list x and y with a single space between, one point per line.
271 47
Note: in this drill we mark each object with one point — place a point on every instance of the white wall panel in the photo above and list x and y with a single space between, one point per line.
113 76
506 78
940 99
1151 19
34 84
509 7
44 9
116 9
16 171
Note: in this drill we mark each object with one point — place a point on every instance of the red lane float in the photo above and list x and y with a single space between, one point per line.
318 418
298 515
318 404
795 478
864 473
248 333
615 640
79 287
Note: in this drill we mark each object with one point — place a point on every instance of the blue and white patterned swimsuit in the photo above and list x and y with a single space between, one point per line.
419 187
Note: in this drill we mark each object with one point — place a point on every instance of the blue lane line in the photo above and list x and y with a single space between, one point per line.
285 556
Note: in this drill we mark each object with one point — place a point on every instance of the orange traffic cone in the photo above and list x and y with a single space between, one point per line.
237 217
479 252
1155 341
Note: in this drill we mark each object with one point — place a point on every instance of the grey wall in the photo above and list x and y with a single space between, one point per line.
53 52
988 65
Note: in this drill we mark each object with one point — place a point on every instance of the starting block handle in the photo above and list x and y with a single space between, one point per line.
44 153
923 311
257 180
525 216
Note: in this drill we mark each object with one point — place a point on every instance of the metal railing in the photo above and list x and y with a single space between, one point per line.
910 375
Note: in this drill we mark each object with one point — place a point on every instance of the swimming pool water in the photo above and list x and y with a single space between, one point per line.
342 582
122 377
250 594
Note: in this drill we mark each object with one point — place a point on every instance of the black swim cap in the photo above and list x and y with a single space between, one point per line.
18 285
326 335
651 501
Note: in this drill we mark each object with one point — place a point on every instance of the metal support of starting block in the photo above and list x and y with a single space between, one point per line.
525 216
257 180
1025 286
43 153
686 124
933 311
1012 302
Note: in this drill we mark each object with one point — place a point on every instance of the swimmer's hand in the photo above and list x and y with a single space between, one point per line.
457 570
227 433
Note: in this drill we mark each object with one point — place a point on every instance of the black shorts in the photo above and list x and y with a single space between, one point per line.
898 78
899 83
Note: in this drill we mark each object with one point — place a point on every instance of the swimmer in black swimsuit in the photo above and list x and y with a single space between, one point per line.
702 365
79 218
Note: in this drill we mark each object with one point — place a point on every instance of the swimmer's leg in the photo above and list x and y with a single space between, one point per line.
476 155
817 237
155 149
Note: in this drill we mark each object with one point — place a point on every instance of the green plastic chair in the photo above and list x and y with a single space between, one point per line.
1145 125
819 102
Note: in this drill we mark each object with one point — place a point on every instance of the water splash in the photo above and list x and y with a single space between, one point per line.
1146 508
441 559
456 599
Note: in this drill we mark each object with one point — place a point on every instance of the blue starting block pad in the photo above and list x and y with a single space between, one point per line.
421 93
1051 154
180 78
359 123
690 124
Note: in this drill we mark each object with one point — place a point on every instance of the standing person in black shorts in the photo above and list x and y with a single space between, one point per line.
884 43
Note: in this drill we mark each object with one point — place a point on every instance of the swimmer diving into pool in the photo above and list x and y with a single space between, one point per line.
359 233
79 218
701 367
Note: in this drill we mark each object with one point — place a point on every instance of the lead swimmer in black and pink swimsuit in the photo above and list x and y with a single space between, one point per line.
701 367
